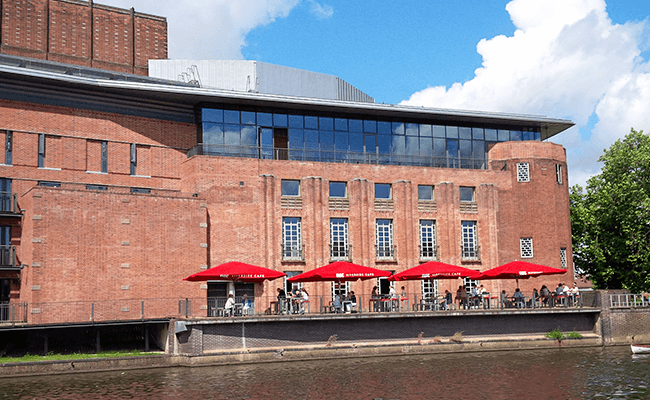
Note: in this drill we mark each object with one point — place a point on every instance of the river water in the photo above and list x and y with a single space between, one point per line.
562 373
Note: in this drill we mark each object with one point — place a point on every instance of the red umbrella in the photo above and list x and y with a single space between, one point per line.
519 270
341 271
236 271
434 270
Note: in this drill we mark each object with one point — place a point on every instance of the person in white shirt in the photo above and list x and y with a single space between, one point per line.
230 304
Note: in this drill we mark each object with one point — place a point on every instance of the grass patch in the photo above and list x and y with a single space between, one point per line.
74 356
574 335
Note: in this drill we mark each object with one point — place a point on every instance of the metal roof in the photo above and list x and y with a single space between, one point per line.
170 94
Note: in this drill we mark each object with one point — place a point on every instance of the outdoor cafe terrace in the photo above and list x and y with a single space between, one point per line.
21 313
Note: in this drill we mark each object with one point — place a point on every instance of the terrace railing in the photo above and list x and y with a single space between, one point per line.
628 301
336 156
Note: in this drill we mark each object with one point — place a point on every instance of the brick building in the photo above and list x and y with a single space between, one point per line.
82 33
114 190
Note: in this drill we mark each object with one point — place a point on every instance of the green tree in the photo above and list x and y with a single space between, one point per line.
610 220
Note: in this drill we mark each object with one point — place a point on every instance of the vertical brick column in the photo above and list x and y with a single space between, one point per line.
269 221
448 222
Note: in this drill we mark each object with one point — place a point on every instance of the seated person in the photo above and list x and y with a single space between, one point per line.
519 298
446 301
504 300
336 304
246 305
351 302
230 304
545 294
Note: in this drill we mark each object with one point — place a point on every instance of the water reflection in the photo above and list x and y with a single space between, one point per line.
611 373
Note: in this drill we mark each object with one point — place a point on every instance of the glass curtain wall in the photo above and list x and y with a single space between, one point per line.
294 136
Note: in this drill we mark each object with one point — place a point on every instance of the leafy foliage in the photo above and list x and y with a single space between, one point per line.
610 220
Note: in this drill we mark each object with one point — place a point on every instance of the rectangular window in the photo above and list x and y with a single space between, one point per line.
49 184
425 192
429 288
135 190
526 247
466 193
9 144
382 191
339 239
338 189
340 288
104 156
558 173
288 285
291 239
7 259
96 187
290 188
523 172
563 262
134 159
6 196
41 150
384 239
428 247
469 240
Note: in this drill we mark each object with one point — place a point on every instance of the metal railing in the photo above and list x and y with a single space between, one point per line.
293 253
9 203
341 253
204 307
12 312
335 156
7 256
470 253
628 301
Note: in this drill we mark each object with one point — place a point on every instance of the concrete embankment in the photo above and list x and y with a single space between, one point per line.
299 353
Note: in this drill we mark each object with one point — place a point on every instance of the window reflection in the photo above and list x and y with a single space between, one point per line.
340 139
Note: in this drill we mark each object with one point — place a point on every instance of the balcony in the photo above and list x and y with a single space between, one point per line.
470 253
341 253
8 258
323 154
293 253
9 205
386 253
429 253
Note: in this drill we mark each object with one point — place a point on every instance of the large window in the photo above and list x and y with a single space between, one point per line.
429 288
291 239
295 136
466 194
428 247
5 246
290 188
469 240
382 191
338 189
425 192
339 242
384 239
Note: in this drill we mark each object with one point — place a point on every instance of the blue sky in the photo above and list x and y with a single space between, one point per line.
584 60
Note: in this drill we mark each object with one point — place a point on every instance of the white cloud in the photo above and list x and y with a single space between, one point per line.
566 59
210 29
321 11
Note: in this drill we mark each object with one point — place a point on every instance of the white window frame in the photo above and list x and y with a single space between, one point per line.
526 247
339 230
428 240
523 172
469 237
558 173
384 240
291 238
429 288
343 286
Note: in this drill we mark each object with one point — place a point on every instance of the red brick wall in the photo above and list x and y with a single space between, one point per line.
246 217
109 248
82 33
